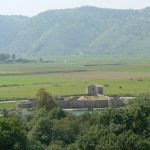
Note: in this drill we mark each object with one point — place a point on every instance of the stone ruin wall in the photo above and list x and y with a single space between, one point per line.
72 104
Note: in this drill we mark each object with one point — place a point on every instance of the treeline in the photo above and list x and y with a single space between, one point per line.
51 128
11 58
5 57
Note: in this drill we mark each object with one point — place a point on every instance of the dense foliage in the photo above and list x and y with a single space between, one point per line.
45 100
86 30
53 129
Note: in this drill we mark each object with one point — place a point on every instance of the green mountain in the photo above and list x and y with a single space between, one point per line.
80 31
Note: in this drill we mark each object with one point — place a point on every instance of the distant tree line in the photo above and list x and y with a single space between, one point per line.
11 58
5 57
51 128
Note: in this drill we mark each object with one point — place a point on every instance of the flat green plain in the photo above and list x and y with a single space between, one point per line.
71 75
7 105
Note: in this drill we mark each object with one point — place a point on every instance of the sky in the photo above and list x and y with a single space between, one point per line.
33 7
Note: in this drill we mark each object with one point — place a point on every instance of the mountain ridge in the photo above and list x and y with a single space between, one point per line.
80 31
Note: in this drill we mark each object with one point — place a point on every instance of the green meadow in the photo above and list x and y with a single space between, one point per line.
7 105
71 75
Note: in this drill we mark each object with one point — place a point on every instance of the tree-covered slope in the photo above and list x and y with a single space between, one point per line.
85 30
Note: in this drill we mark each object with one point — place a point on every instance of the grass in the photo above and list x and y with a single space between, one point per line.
7 105
125 76
62 86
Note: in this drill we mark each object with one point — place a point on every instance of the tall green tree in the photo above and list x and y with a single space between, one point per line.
45 100
41 130
12 134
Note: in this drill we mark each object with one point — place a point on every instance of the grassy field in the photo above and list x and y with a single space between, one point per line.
125 76
7 105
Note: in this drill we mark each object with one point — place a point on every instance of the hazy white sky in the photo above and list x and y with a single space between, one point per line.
33 7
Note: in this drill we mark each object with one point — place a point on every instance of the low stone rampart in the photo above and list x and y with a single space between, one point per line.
75 104
28 104
71 104
116 103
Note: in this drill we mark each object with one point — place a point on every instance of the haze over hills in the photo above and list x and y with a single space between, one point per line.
80 31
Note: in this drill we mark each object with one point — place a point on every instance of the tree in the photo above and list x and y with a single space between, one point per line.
12 134
40 127
131 141
34 145
65 130
57 113
4 57
140 110
45 100
13 56
41 130
56 145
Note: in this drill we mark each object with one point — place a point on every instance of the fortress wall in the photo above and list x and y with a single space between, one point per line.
72 104
115 103
82 103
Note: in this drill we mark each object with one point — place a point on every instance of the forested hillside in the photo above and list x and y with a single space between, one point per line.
80 31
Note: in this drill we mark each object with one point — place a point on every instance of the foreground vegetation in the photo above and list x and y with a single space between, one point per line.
50 128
